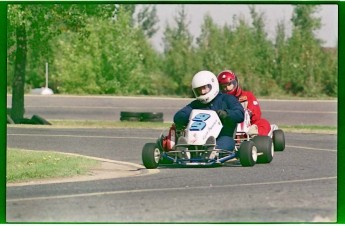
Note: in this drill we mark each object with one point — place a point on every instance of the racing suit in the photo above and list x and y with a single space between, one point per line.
234 114
249 101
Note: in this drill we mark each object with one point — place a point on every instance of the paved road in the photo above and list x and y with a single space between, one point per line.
299 185
281 112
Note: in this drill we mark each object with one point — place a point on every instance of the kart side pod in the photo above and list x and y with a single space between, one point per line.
169 141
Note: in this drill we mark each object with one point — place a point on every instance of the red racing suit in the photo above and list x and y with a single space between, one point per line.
249 101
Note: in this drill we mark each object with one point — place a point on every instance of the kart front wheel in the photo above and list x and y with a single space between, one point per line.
265 147
248 153
278 140
151 155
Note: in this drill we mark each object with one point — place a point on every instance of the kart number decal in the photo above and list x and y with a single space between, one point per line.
201 117
197 126
199 122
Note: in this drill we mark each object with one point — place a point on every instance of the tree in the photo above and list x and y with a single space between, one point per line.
179 62
147 19
112 60
263 49
280 51
301 73
213 43
33 26
241 48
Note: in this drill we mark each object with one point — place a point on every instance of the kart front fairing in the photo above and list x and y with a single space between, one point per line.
202 125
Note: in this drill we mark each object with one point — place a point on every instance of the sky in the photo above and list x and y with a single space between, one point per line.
223 14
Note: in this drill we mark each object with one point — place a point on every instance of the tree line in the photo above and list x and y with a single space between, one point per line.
106 49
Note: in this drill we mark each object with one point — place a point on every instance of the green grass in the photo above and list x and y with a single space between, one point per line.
109 124
309 129
26 165
159 125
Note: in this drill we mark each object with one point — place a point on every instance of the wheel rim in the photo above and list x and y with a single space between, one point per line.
157 155
254 153
272 150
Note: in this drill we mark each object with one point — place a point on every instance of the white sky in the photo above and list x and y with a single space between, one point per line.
223 13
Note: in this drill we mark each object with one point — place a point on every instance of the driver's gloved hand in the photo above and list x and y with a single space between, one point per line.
179 127
179 130
222 114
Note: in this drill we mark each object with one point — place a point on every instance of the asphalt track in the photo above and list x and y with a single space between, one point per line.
299 185
281 112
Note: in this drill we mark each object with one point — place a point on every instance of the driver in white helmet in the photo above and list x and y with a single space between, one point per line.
206 90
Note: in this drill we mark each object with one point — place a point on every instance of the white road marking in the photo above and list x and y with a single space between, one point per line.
166 107
303 112
166 189
111 97
310 148
79 136
93 107
141 138
315 101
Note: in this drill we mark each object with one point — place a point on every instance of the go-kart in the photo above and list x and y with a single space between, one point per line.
273 142
195 145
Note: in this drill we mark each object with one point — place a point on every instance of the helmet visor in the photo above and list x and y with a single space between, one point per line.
227 87
202 90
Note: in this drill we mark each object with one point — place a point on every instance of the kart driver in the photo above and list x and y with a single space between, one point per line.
206 90
229 84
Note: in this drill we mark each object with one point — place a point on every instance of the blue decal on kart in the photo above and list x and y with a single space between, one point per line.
197 126
201 117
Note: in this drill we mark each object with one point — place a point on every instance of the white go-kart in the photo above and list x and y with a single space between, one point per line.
195 145
273 142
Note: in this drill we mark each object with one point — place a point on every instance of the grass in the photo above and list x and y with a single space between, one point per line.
26 165
166 125
109 124
309 129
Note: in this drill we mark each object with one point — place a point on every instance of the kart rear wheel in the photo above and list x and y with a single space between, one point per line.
151 155
248 153
264 145
278 140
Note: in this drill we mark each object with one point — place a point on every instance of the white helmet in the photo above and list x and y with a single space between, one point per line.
207 79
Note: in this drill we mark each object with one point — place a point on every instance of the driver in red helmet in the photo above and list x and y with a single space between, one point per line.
228 83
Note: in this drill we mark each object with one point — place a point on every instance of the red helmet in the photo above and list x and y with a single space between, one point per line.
228 83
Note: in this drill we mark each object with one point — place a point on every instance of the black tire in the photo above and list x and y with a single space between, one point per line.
264 145
9 120
247 153
128 114
131 119
151 115
141 116
151 156
278 140
25 121
152 120
39 120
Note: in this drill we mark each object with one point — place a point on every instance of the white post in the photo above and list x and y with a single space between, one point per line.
46 90
47 75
